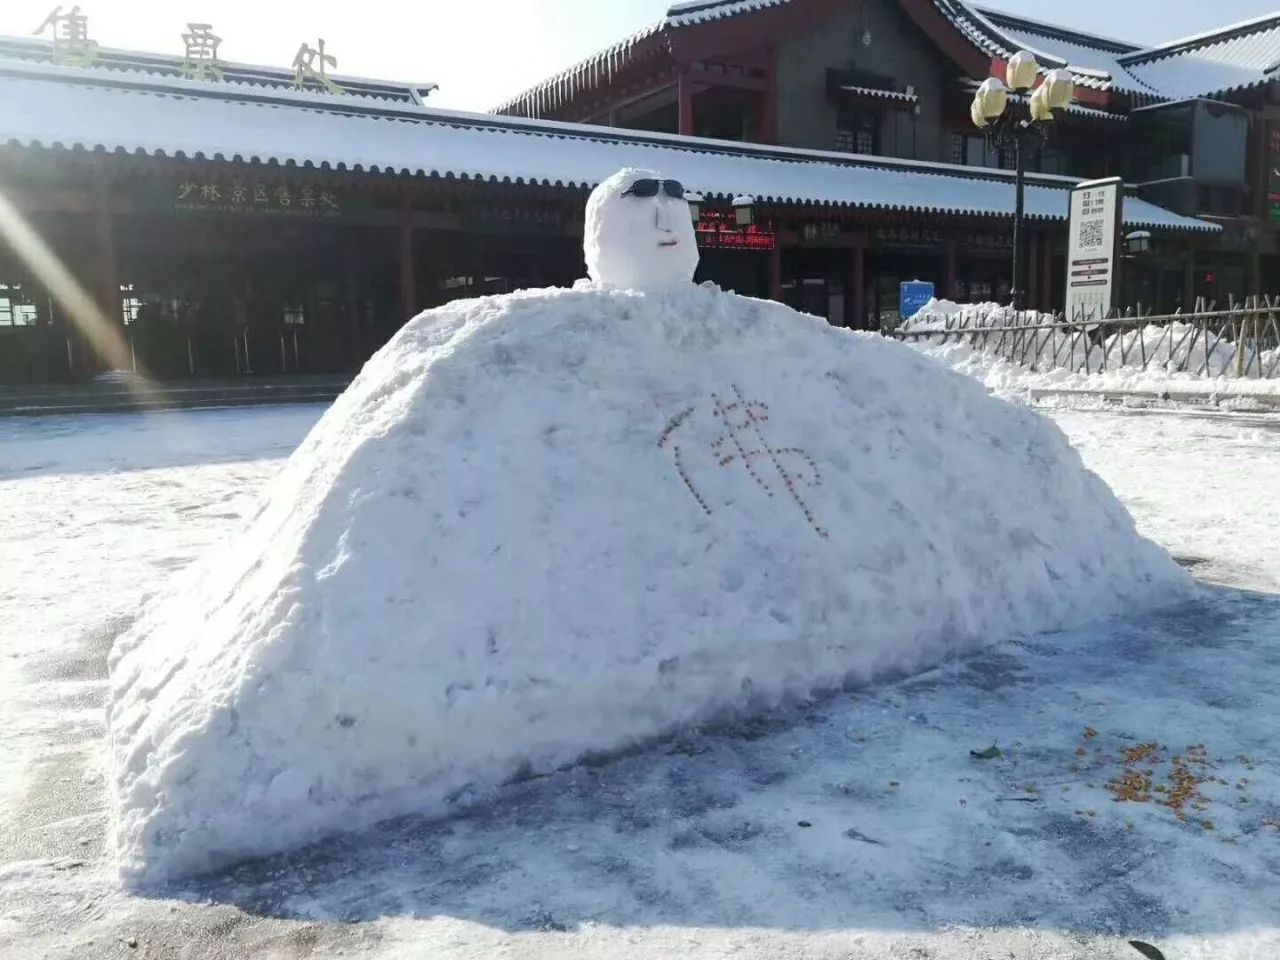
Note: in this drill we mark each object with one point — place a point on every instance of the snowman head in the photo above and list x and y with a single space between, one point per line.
639 235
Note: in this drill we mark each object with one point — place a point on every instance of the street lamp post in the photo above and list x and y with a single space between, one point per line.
994 111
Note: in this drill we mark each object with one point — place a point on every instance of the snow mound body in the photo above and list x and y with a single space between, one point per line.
553 523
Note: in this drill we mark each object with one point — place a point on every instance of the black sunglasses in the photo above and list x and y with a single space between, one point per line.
650 188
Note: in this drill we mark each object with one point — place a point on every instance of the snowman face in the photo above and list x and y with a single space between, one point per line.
637 242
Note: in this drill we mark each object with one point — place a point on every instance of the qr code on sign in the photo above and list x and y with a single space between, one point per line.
1091 233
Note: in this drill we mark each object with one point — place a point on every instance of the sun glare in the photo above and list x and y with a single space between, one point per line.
104 338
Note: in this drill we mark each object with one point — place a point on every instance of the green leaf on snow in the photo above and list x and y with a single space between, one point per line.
1147 950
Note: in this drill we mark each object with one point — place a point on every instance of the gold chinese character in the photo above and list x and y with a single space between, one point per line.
282 196
71 43
313 65
328 199
210 192
185 189
260 194
238 192
306 197
201 60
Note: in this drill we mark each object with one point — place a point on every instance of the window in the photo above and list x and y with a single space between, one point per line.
295 314
858 131
971 150
15 311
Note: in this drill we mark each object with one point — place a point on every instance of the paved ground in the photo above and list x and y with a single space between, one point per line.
861 827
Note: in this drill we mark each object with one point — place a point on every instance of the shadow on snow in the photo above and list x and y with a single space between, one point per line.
863 811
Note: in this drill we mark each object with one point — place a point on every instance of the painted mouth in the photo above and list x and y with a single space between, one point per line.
668 243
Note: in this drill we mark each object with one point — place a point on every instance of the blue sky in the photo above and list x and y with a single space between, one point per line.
482 51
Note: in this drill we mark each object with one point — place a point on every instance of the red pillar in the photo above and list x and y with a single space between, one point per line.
769 109
855 286
949 292
355 348
1033 271
408 288
775 273
1046 272
684 94
110 344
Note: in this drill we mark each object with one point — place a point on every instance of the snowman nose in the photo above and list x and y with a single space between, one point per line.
662 217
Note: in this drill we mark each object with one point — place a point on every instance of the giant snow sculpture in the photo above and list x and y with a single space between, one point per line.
568 521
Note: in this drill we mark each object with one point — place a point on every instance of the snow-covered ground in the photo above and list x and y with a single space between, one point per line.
858 828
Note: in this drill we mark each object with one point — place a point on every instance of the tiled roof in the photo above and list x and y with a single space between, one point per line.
1232 58
1001 35
60 107
557 89
704 11
1219 61
1093 60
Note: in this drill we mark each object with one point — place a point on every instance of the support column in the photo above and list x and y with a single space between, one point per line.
355 345
1033 270
1189 281
684 94
1046 272
855 282
1017 296
775 273
113 348
952 255
769 109
408 287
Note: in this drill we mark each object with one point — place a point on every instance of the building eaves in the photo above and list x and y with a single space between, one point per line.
1003 19
705 11
1253 25
182 119
560 87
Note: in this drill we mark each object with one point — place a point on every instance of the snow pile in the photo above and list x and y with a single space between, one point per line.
942 315
557 522
1182 348
1152 359
1045 352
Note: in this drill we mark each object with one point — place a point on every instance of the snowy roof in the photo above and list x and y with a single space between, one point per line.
553 91
704 11
1218 61
235 75
74 108
1093 60
1232 58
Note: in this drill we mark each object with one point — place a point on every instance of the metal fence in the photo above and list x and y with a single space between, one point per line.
1242 341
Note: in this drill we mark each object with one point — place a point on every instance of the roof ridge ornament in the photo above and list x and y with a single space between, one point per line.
71 44
201 59
311 65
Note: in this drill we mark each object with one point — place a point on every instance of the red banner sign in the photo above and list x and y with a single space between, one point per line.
718 231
